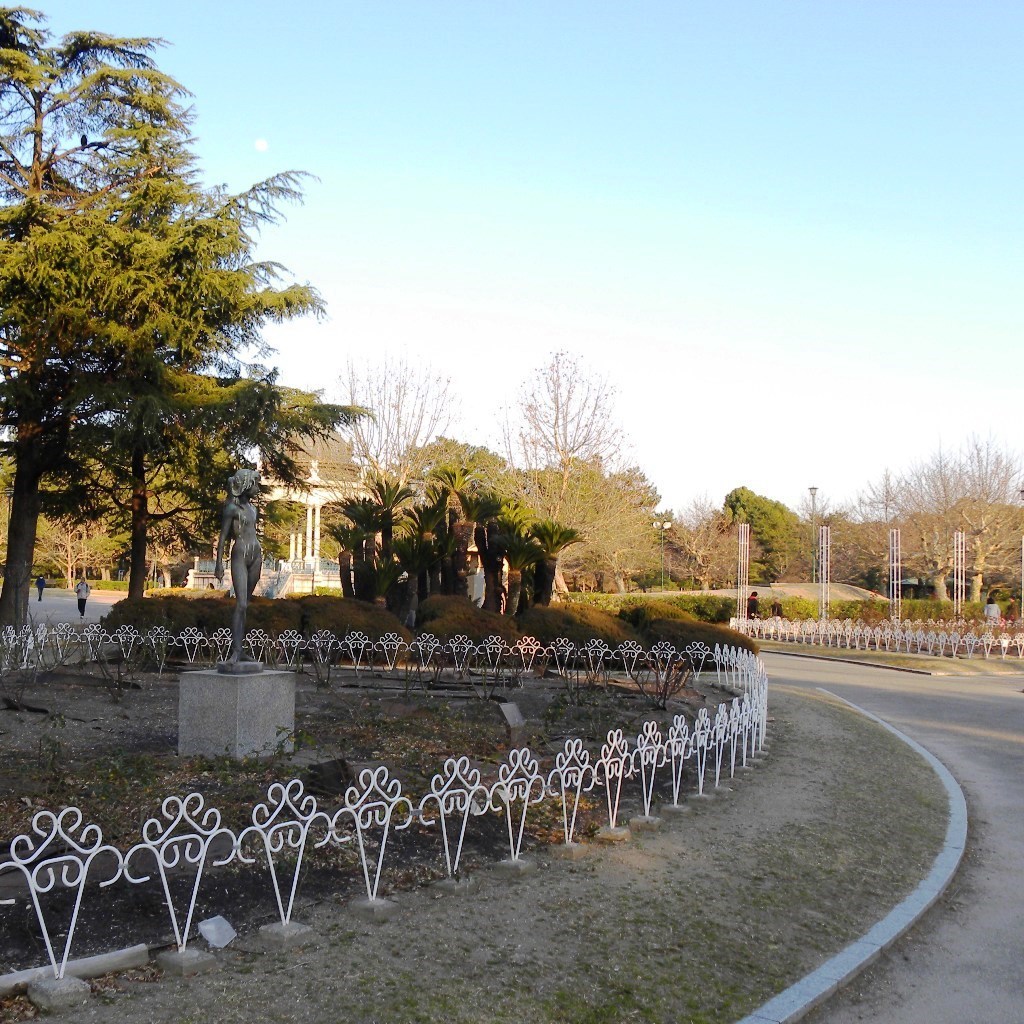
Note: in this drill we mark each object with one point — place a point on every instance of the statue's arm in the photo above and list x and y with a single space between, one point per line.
227 521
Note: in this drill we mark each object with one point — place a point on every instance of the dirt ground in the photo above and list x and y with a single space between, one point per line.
697 923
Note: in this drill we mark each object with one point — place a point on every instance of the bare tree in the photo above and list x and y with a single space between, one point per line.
565 420
703 543
409 406
974 490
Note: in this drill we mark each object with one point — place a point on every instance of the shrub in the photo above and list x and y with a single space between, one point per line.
446 616
343 615
680 632
577 623
173 611
706 607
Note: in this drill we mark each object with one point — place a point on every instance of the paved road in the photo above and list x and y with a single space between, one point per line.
964 961
60 605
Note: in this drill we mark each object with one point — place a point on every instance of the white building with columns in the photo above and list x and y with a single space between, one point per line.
330 476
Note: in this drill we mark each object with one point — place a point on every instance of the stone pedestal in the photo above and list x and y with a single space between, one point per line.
237 715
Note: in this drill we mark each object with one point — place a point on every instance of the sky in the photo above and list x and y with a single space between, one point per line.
789 233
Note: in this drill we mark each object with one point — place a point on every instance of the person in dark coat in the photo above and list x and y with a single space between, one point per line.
753 608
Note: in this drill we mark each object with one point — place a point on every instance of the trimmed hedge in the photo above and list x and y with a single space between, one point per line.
680 632
577 623
446 616
706 607
305 615
443 616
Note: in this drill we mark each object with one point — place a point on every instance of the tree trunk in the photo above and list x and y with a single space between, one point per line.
939 591
544 581
976 584
560 581
140 525
492 557
515 588
345 572
21 529
460 558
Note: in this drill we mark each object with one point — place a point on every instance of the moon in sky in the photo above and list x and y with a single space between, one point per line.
261 145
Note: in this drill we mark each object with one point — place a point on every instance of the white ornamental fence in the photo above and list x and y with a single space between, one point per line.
482 664
949 639
62 854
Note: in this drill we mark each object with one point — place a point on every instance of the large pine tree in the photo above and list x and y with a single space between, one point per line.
124 283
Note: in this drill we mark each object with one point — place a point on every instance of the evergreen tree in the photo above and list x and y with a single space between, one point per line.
123 282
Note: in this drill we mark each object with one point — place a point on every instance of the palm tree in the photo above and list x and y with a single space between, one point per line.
521 553
365 516
429 522
415 555
447 483
553 538
391 496
478 514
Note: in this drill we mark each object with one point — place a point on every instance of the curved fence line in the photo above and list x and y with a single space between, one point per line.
948 639
63 854
492 659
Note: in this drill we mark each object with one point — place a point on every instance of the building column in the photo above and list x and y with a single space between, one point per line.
291 546
309 532
316 536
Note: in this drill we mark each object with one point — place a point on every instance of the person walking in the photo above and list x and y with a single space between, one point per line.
753 607
40 585
82 592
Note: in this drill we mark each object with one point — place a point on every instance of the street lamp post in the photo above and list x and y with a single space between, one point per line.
1020 612
661 527
814 540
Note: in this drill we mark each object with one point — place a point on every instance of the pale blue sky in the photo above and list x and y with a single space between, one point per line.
790 232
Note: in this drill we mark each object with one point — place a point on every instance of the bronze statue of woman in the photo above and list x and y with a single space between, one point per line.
239 523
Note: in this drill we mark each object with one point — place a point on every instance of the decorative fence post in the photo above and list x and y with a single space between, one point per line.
373 803
60 853
573 773
519 782
185 837
456 790
283 825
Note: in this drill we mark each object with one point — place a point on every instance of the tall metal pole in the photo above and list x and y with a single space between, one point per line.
661 527
895 576
960 571
742 570
825 569
814 522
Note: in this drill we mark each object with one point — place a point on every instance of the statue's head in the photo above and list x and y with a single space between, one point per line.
245 481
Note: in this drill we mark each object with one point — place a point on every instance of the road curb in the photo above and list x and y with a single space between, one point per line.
803 996
855 661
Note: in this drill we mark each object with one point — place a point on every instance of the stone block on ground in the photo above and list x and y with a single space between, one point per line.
619 834
646 823
186 963
568 851
456 886
673 810
279 937
516 868
55 995
379 909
